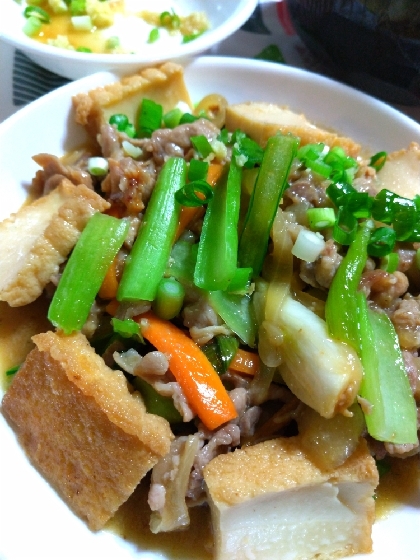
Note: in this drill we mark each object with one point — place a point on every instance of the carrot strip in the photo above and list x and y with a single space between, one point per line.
190 213
112 307
245 362
199 381
109 287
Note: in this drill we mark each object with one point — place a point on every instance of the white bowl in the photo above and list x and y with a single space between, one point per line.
34 521
225 16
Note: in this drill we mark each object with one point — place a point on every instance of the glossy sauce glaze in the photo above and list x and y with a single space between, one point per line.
131 523
400 486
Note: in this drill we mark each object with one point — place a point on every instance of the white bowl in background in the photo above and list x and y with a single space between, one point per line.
34 521
225 16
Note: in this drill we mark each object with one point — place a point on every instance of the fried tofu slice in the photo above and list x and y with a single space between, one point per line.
271 501
401 172
81 427
165 85
46 231
262 120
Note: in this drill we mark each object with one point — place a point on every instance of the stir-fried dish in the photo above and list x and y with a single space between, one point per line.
233 310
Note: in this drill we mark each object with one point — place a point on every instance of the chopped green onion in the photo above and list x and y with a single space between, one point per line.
202 145
269 187
382 242
151 250
188 118
169 20
320 218
390 262
336 191
404 217
169 298
187 195
97 166
345 227
153 35
150 118
320 167
191 37
119 120
78 7
82 23
248 151
331 163
378 160
358 203
218 245
416 201
126 328
84 49
171 118
311 152
130 130
32 26
385 385
35 11
197 170
165 18
85 270
383 207
112 42
12 371
272 53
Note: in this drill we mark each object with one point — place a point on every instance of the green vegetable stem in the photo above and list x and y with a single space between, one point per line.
150 253
393 414
341 309
270 185
83 275
218 247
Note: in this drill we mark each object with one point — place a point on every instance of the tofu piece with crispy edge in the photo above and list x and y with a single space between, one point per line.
271 501
261 120
81 427
401 172
45 231
164 85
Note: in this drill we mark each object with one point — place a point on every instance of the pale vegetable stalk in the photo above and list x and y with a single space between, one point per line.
278 269
323 373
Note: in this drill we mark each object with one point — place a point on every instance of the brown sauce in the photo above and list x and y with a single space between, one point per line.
398 487
132 524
